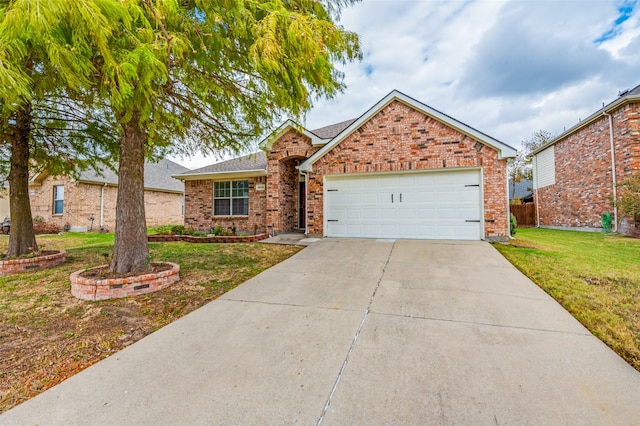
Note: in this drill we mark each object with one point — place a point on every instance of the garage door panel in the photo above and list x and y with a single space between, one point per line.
435 205
407 214
387 213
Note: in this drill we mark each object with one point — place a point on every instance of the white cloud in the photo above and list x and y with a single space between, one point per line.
507 68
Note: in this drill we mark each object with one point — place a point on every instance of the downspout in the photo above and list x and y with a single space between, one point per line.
613 171
511 237
536 189
102 206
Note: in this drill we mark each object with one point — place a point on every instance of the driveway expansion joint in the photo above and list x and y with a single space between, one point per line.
544 330
355 338
293 305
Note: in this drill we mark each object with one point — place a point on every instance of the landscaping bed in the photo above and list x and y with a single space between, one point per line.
596 277
47 335
99 284
157 238
44 259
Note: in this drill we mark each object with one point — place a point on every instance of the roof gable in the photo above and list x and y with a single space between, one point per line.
503 149
268 142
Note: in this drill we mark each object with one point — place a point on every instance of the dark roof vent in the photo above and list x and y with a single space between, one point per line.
623 92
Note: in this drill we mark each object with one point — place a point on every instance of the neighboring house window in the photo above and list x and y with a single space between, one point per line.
58 199
231 198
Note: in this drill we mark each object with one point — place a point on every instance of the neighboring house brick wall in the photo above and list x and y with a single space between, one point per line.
400 138
199 208
583 185
163 208
82 200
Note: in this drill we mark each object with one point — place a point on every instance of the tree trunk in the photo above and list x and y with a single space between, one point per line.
131 249
22 238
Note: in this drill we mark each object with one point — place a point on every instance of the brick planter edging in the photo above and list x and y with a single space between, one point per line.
214 239
30 264
101 289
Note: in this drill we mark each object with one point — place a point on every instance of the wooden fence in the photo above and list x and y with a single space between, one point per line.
525 214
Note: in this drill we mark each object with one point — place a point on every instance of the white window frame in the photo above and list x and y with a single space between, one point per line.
55 200
231 197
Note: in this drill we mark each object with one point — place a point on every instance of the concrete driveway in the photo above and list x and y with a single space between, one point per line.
361 332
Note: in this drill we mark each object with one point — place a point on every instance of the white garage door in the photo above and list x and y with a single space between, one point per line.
429 205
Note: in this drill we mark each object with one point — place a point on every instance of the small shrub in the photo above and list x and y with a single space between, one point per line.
161 229
46 228
38 219
219 231
513 225
178 230
182 230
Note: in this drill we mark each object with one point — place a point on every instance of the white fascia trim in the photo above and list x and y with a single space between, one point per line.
115 185
504 150
221 175
267 142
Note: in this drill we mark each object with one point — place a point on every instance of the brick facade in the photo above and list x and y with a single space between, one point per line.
199 207
289 151
583 175
82 200
398 138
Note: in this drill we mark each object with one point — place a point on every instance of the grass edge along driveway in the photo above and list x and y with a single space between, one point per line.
596 277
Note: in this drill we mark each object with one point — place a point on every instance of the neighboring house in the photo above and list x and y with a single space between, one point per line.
401 170
68 201
575 174
521 191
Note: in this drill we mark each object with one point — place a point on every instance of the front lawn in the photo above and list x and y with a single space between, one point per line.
47 335
596 277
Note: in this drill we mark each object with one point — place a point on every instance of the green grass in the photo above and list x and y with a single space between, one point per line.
47 335
596 277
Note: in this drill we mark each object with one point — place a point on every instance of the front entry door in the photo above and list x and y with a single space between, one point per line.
302 205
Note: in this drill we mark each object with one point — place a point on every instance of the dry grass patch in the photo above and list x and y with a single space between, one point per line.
596 277
47 335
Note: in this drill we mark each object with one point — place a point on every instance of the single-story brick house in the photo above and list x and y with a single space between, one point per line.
401 170
67 201
575 175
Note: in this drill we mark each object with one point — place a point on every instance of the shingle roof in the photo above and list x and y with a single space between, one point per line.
332 130
258 160
522 188
255 161
634 91
156 176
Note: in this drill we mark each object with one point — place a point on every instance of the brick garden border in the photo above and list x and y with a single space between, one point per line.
31 264
112 288
213 239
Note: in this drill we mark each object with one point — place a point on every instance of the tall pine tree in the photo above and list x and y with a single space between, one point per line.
215 74
46 64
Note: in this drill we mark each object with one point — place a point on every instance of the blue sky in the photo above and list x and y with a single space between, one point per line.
507 68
